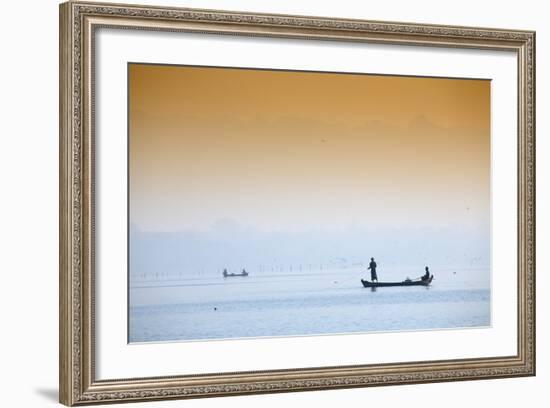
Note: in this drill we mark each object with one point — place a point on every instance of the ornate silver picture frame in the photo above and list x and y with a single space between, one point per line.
79 23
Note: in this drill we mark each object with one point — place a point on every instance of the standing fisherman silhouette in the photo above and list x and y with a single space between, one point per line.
372 267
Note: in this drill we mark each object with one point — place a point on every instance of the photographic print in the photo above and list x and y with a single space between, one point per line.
268 203
256 203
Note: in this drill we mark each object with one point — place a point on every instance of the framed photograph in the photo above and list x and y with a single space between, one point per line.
256 203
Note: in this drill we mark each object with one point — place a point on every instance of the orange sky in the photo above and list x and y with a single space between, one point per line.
301 150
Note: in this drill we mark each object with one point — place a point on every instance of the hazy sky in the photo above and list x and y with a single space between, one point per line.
298 151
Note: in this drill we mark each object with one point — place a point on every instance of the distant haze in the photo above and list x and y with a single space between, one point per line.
245 168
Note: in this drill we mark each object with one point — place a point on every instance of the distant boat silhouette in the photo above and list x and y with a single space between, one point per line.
230 275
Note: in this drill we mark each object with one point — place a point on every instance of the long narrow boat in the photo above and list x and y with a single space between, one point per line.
369 284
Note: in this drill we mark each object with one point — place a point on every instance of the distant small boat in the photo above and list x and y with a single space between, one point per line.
230 275
406 282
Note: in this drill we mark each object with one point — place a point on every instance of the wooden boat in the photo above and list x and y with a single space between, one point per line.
230 275
406 282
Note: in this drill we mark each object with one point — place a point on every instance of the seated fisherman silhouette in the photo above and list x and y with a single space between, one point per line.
426 276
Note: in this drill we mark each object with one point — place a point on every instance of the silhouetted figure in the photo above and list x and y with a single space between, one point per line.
426 276
244 272
372 267
225 272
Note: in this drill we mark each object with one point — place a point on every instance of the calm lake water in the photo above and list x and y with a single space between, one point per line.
305 303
